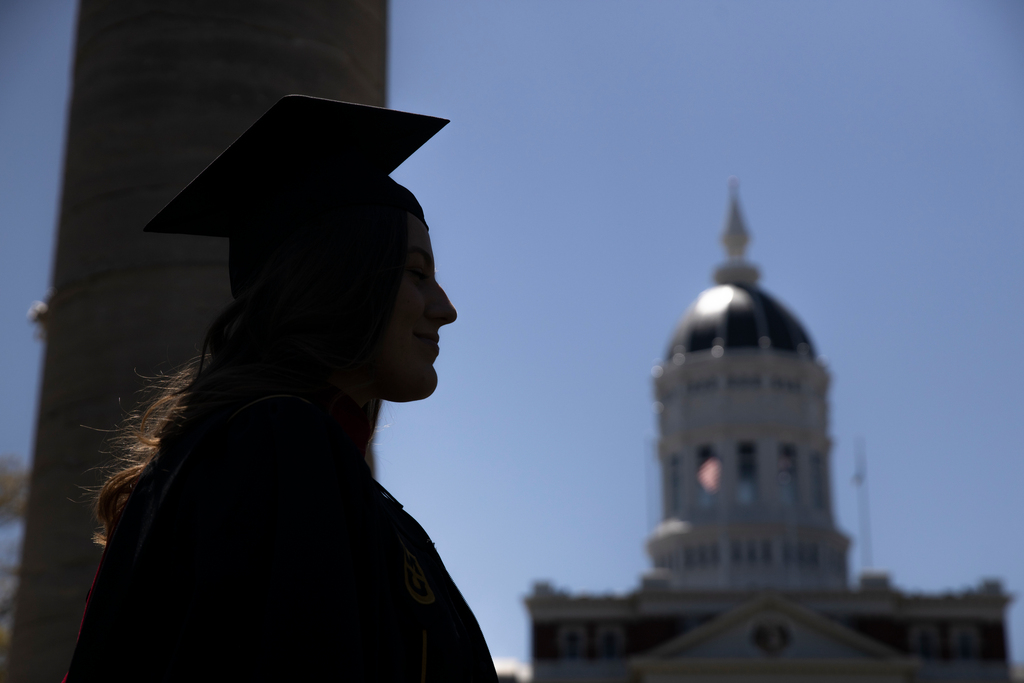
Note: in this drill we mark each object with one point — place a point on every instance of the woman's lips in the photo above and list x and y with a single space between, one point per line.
430 340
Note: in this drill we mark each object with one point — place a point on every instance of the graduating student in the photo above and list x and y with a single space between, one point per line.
246 538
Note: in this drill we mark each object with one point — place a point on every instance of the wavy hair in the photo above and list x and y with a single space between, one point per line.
321 303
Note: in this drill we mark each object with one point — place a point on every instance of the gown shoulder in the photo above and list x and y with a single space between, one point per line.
248 550
259 547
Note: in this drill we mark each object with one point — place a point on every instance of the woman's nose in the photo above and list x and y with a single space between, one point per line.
441 308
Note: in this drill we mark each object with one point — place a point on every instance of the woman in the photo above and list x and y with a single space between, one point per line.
245 536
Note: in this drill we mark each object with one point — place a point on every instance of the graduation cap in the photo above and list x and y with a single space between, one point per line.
303 158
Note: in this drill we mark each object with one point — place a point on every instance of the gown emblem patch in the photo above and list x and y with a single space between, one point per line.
416 580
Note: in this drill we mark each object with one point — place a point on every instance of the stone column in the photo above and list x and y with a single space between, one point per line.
160 88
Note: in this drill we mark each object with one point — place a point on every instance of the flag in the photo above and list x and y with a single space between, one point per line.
709 474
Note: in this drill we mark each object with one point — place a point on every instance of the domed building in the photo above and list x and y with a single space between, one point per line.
749 579
744 446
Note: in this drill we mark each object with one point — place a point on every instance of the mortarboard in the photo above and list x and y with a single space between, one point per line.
304 157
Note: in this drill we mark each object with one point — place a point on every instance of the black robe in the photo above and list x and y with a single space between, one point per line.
259 548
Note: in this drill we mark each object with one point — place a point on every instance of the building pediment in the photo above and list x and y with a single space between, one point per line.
770 635
771 626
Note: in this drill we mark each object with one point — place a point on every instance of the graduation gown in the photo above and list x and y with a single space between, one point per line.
258 547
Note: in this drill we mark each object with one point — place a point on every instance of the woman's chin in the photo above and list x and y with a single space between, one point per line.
412 389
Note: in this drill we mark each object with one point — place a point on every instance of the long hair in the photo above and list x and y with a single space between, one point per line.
321 303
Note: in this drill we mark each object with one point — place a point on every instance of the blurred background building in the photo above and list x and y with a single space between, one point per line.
750 572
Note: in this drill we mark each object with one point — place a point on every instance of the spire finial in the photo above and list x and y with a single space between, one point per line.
734 233
735 238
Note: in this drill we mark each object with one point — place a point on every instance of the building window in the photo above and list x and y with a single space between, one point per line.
737 552
787 474
610 643
817 481
572 642
709 476
702 385
752 552
807 554
688 557
782 384
744 382
572 645
766 552
675 485
924 642
746 473
707 555
964 643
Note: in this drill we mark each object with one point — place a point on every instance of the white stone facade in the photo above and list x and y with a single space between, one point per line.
744 453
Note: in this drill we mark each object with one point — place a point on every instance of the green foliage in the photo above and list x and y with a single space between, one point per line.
13 488
13 495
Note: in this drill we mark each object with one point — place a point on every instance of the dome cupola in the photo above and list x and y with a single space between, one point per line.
744 450
736 315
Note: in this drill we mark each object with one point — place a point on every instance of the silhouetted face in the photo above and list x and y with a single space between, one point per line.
404 368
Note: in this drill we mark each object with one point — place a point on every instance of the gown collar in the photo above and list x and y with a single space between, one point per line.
349 415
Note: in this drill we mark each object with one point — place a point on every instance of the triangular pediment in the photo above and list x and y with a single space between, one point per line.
774 628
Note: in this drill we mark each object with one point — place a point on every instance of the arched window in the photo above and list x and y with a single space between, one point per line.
572 642
752 552
572 645
609 643
924 642
709 476
817 481
964 642
746 473
788 489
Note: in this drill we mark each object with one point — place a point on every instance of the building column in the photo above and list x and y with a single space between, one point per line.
159 90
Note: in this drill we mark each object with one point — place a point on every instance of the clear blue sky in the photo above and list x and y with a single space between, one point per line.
575 203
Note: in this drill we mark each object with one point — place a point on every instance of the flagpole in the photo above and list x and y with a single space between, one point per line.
860 480
654 504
